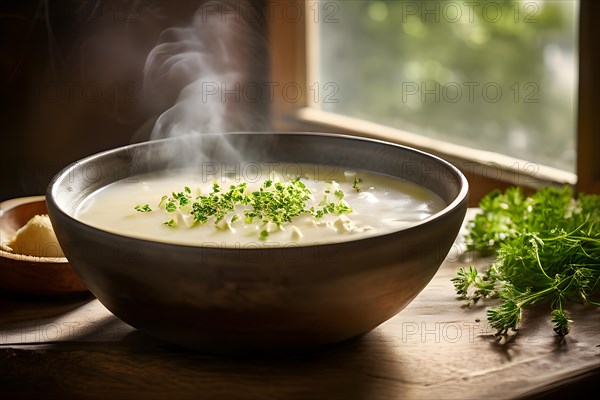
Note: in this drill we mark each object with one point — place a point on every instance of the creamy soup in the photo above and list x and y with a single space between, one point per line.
303 205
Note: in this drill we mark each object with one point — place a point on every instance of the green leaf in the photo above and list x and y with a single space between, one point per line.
145 208
561 321
356 182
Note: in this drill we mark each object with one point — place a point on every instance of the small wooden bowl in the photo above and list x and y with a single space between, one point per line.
29 274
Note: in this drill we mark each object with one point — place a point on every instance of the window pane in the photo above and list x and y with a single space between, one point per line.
494 75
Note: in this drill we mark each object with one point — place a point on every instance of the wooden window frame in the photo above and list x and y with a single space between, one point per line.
290 38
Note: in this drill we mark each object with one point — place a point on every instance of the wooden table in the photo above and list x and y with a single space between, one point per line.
434 349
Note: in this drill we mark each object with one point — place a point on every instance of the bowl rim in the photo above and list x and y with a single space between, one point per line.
461 197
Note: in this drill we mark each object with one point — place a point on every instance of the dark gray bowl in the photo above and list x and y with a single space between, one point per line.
225 300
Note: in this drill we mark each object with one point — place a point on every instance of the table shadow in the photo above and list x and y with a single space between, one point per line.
140 366
20 308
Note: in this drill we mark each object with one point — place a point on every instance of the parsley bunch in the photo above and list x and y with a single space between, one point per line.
547 250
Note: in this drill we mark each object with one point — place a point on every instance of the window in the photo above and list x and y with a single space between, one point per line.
489 85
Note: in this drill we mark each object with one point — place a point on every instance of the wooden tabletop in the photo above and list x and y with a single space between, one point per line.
73 347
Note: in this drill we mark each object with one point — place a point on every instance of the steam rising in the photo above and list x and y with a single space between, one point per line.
202 67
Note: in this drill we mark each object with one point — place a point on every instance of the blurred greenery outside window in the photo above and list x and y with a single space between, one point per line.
492 75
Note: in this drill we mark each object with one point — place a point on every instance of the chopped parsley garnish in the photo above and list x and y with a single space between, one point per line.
170 222
274 202
162 201
171 207
144 208
546 248
355 184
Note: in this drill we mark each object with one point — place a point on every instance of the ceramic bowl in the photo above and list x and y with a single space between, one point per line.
237 300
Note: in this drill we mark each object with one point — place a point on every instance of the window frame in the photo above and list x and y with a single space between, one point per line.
290 58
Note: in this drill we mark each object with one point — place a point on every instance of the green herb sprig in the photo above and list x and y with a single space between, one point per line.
143 208
546 248
355 184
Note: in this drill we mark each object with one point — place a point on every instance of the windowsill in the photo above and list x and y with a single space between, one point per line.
485 163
